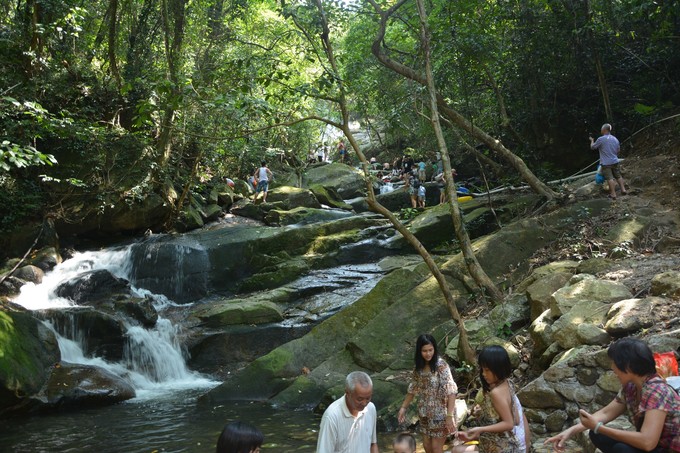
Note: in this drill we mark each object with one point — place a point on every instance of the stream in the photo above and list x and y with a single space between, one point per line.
164 416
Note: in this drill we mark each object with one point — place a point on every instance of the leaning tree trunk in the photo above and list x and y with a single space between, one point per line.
473 266
464 343
447 111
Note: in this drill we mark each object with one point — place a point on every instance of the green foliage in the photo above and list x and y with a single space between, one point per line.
408 213
124 112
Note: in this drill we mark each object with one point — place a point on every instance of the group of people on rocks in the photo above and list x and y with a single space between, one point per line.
414 175
499 426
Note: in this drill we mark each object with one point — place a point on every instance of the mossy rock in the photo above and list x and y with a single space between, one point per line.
242 312
329 196
294 197
630 230
594 266
326 244
274 277
303 216
348 182
190 219
210 212
27 351
273 372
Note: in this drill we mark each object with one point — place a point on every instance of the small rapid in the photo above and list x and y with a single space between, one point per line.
154 360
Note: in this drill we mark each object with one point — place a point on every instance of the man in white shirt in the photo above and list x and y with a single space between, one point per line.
349 423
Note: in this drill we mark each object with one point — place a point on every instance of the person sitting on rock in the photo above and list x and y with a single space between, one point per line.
239 437
652 404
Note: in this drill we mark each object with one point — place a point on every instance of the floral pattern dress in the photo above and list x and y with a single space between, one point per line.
505 442
433 390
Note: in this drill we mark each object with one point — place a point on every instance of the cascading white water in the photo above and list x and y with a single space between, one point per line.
154 361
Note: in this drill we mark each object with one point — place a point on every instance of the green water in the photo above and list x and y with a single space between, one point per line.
172 423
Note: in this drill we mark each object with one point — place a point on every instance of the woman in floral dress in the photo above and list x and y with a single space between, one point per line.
436 390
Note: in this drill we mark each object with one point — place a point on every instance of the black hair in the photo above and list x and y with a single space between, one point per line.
263 163
239 437
424 340
632 356
406 437
496 359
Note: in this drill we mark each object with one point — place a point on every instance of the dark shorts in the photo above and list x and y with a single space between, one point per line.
610 171
262 186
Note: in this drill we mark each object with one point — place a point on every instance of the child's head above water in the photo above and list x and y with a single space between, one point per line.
404 443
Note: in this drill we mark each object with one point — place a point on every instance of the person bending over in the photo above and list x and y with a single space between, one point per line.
652 405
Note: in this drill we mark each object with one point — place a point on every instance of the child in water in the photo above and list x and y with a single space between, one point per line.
239 437
404 443
436 390
502 425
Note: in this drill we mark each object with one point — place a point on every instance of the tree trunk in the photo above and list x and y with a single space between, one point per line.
468 352
456 118
173 39
473 266
113 24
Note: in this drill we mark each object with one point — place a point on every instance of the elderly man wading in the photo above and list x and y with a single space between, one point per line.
349 423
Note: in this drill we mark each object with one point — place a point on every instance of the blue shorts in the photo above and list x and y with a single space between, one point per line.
262 186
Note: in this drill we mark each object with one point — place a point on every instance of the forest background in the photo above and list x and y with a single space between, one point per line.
103 103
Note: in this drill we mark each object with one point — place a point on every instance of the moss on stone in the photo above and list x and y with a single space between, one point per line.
326 244
27 350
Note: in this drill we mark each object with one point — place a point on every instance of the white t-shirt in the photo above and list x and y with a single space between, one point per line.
263 174
341 432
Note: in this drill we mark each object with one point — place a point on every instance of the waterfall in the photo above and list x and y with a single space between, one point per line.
154 361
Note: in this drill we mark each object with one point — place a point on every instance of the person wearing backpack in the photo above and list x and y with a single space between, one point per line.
652 405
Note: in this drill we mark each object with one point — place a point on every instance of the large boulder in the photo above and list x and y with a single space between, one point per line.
101 334
666 284
435 226
92 286
220 351
241 312
30 273
630 315
74 386
46 258
175 267
539 293
585 287
510 315
540 331
328 196
570 330
348 182
293 197
28 349
303 216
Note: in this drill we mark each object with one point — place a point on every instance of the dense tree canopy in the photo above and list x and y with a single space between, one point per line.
120 97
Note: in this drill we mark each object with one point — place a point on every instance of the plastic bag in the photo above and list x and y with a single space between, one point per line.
666 364
599 177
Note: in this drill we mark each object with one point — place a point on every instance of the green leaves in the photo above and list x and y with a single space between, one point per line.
13 155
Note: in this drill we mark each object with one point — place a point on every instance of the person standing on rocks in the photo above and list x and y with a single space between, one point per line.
263 174
436 390
609 148
349 424
652 405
